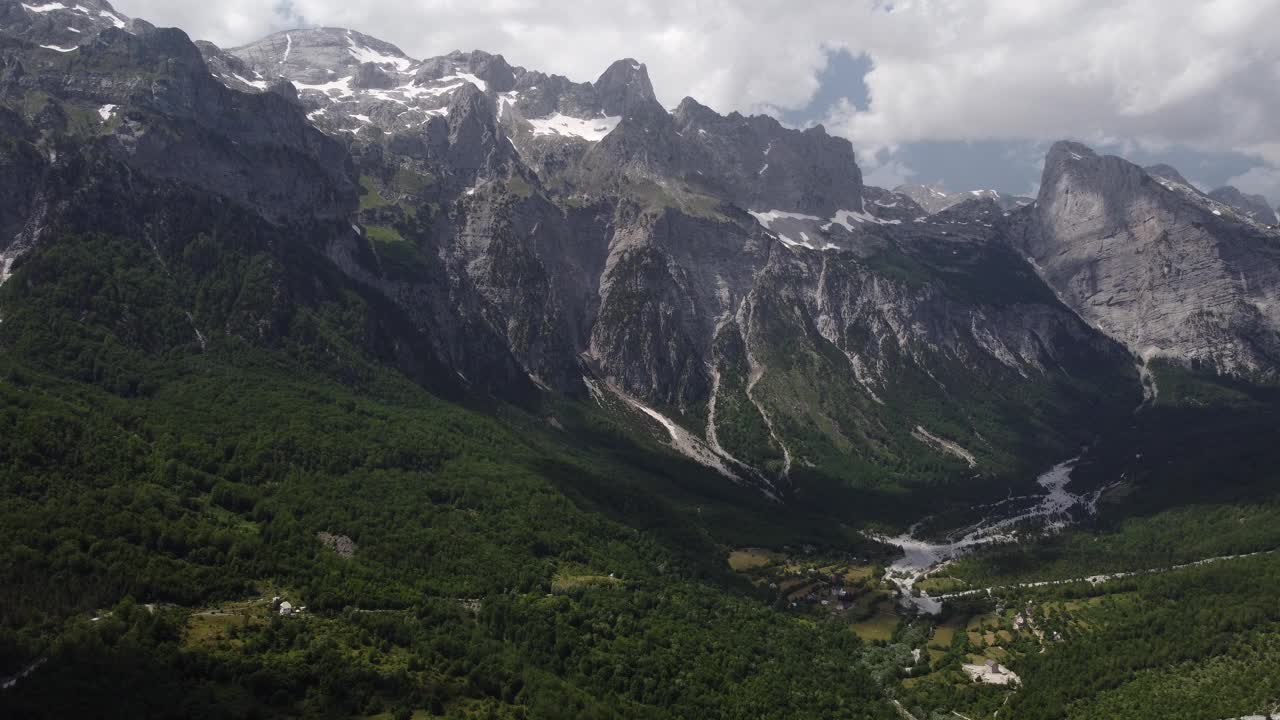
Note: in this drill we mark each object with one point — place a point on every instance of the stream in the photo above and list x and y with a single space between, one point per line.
1047 513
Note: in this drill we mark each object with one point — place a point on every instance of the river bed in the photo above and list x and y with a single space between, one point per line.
1049 512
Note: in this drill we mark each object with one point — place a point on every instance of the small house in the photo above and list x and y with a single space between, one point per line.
994 668
286 608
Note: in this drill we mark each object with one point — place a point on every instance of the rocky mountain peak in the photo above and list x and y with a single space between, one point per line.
494 70
320 55
1255 207
935 198
284 89
476 143
62 25
370 76
1162 171
1066 150
624 89
1155 263
469 102
1071 167
690 112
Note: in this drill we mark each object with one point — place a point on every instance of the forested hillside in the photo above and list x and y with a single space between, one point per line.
510 575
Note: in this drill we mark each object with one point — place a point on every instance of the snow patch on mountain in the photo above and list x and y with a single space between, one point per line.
846 219
115 19
415 91
369 55
766 218
592 130
259 84
342 85
943 445
468 77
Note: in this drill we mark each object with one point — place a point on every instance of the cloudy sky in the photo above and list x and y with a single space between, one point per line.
964 92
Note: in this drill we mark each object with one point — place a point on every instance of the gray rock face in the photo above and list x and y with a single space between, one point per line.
1255 207
889 205
763 166
587 231
371 77
522 228
23 168
234 72
61 25
476 143
624 90
1156 264
669 281
493 70
320 55
150 100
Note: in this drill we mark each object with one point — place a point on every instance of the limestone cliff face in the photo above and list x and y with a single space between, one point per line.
726 276
845 355
1155 264
669 281
763 166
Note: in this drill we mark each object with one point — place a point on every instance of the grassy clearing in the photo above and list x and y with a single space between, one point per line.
944 584
215 625
519 186
945 633
878 627
859 573
752 558
399 257
801 590
205 629
371 198
567 582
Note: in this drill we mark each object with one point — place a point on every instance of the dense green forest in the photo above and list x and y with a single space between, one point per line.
176 452
147 483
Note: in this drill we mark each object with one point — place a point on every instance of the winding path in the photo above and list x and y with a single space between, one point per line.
1098 579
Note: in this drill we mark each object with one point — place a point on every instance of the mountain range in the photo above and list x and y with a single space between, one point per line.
539 232
725 289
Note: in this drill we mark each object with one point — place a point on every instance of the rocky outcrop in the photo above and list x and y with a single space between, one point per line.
62 25
891 205
320 55
624 90
149 101
1254 207
765 167
1156 264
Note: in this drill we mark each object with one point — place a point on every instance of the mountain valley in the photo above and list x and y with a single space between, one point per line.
545 400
